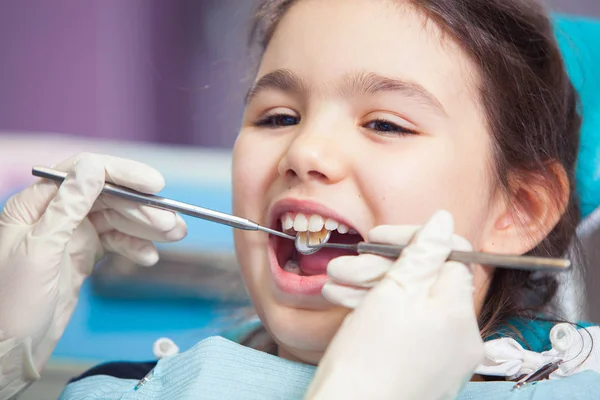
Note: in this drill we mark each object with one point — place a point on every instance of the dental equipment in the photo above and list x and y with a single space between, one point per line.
527 263
541 374
168 204
385 250
305 248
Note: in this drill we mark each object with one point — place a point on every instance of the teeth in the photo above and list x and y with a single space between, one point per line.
300 223
313 238
287 222
331 225
315 223
293 267
319 237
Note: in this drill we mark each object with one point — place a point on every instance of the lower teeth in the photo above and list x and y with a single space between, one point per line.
293 267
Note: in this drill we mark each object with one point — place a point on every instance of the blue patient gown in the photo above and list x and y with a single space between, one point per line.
219 369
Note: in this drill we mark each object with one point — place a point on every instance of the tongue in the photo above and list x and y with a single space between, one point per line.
316 264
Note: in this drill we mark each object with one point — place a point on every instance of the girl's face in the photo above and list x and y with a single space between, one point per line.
362 113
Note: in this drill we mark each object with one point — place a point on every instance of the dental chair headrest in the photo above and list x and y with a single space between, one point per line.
578 39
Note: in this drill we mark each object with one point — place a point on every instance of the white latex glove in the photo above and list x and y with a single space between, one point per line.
50 239
352 277
414 335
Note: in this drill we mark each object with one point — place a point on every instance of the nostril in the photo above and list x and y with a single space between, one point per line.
290 173
317 175
305 173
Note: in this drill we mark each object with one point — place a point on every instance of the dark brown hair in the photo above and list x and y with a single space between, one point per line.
532 112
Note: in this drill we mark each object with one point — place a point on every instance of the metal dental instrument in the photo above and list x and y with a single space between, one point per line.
527 263
168 204
539 375
305 248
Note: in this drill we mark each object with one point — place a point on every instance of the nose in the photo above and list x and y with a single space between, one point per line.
314 155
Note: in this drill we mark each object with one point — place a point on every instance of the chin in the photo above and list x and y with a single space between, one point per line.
302 335
302 326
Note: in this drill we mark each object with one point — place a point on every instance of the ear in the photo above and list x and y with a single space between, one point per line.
535 204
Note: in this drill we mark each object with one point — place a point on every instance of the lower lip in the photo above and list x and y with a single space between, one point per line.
291 283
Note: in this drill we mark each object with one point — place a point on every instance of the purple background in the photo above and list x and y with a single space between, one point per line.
151 70
165 71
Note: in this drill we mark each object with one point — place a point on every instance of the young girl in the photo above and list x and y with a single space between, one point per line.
365 118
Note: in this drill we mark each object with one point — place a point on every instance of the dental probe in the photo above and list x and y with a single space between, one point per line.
168 204
527 263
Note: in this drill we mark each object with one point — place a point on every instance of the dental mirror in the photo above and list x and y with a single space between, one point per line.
304 246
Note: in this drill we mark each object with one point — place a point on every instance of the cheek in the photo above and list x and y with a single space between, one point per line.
409 185
253 170
482 278
242 159
246 260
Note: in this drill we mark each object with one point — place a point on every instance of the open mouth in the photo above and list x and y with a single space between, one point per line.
314 227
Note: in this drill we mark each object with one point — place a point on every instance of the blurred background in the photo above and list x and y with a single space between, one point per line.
156 71
163 81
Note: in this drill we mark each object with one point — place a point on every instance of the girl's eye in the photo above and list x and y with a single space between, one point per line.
388 128
278 120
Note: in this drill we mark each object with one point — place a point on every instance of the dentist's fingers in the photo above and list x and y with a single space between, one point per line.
163 220
417 268
111 220
121 171
73 200
30 204
364 270
454 284
455 280
79 191
137 250
345 296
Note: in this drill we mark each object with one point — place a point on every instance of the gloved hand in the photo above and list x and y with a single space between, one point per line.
414 334
51 237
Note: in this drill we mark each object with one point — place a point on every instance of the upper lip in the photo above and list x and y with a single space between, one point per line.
305 206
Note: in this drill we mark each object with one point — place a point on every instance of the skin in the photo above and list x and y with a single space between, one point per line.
330 149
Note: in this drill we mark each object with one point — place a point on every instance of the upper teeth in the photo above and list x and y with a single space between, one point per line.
312 223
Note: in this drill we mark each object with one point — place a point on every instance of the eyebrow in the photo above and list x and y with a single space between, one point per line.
360 83
282 80
369 83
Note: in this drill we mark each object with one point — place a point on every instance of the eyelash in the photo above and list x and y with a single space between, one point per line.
393 129
275 122
271 121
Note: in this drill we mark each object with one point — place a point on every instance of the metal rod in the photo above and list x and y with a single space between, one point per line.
527 263
541 374
167 204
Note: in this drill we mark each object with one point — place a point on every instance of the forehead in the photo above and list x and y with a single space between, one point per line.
324 40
